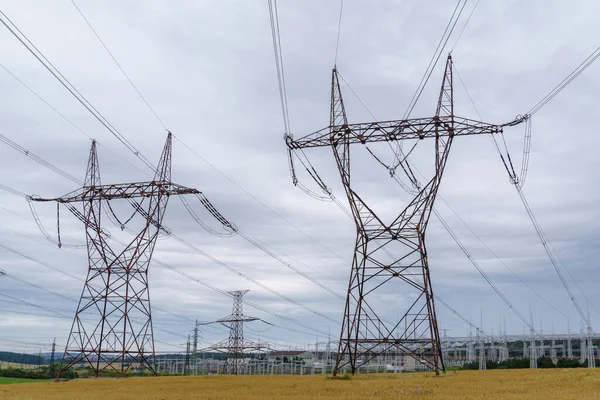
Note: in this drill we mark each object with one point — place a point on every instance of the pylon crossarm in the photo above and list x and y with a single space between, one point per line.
121 191
390 131
237 319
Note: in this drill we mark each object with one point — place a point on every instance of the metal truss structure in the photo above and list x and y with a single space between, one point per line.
366 333
236 345
112 328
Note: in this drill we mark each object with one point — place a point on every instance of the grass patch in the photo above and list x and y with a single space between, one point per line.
6 381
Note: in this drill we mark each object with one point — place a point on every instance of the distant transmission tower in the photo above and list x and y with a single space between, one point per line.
591 357
186 367
482 363
53 351
533 354
366 333
195 349
112 328
236 345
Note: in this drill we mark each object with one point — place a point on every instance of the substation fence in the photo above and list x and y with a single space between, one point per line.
270 367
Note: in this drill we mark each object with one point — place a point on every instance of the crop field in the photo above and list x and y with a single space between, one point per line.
489 385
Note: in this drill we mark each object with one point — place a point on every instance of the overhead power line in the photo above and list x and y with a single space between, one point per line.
493 253
37 159
70 87
337 42
64 117
518 181
483 274
464 26
277 43
22 38
273 14
436 55
461 246
119 65
40 57
191 246
81 280
565 82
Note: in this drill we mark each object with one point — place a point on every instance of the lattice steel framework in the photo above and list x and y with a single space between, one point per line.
112 328
365 333
236 345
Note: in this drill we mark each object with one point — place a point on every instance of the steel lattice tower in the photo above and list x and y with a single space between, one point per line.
112 328
236 345
365 333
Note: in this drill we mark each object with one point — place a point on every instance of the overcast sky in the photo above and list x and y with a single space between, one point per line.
207 68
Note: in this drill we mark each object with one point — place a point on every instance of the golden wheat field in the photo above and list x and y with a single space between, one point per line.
489 385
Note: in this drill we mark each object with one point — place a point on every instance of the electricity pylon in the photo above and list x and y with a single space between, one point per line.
112 328
365 332
236 345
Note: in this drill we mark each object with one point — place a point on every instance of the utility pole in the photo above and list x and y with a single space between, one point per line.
582 345
112 328
53 350
482 363
470 344
553 345
195 350
445 345
569 345
590 344
533 356
541 350
186 368
492 349
366 332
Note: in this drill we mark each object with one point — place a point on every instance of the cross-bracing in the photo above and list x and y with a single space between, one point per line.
366 333
236 345
112 328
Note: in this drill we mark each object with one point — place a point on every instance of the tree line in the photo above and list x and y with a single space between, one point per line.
516 363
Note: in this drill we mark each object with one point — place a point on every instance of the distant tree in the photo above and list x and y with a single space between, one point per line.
44 372
491 364
19 358
566 363
545 362
516 363
471 366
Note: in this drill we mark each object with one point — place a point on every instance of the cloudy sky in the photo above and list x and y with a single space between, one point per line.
207 68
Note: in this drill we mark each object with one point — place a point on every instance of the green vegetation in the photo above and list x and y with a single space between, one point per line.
19 358
6 381
43 372
517 363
